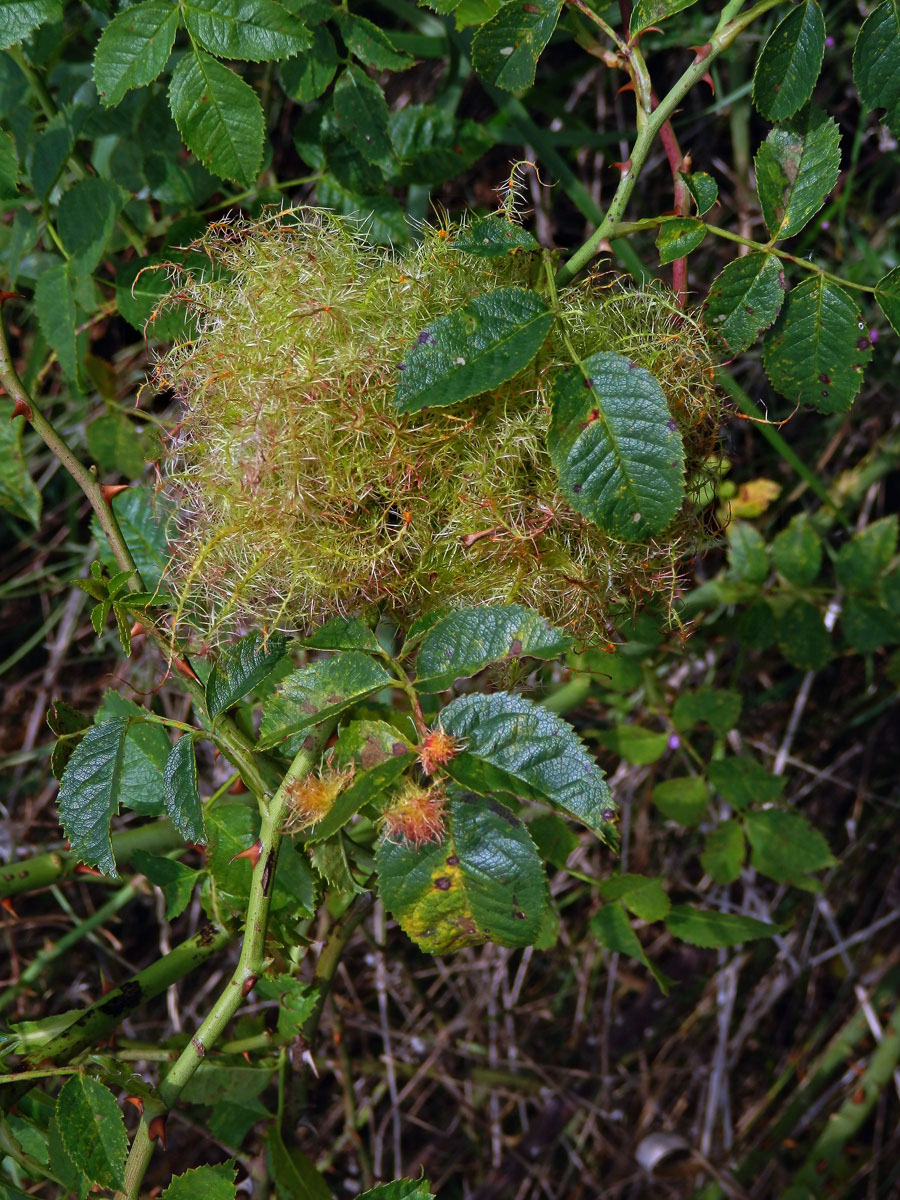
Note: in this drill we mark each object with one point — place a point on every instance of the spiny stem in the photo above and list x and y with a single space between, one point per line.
646 136
250 964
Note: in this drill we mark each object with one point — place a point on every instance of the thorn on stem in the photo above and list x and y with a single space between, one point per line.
247 987
137 1102
183 667
7 903
4 296
21 409
84 869
252 852
108 490
156 1130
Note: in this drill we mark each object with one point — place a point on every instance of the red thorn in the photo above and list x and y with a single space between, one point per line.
247 987
156 1131
252 852
106 985
4 296
183 667
624 167
137 629
8 905
136 1101
707 78
246 1054
108 490
21 409
626 87
84 869
238 787
702 52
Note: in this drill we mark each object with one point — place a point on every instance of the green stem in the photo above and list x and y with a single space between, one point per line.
249 967
646 136
96 1023
30 874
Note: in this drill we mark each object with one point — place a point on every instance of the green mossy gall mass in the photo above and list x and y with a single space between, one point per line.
304 492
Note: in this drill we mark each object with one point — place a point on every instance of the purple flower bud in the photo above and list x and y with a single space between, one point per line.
826 224
829 41
674 741
873 336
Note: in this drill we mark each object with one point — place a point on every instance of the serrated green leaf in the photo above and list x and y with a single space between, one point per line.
683 799
92 1130
642 895
612 928
370 44
296 1001
203 1183
249 30
615 446
796 167
362 114
867 625
295 1176
182 796
867 555
715 930
787 70
330 860
240 668
483 881
306 76
432 145
322 690
473 349
745 298
650 12
89 792
515 746
887 293
634 743
875 59
748 558
114 444
62 1165
678 236
368 743
466 641
703 189
144 523
18 18
494 237
232 828
87 215
797 552
219 116
62 718
400 1189
743 781
802 637
174 879
54 303
230 1121
555 841
9 167
784 846
134 48
52 147
723 855
505 50
343 633
18 493
215 1081
146 750
367 786
720 708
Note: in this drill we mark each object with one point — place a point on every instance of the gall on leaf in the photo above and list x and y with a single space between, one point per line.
415 815
312 798
437 749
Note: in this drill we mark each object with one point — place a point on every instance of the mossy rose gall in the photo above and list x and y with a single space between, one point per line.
302 492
